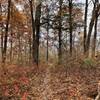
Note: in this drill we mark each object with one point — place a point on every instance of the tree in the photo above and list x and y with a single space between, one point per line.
47 32
6 33
37 23
95 32
60 32
96 9
33 30
70 24
85 25
1 29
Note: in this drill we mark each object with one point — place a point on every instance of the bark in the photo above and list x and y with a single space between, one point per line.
33 31
37 23
47 33
11 46
94 39
2 40
85 25
19 47
6 33
70 25
95 35
95 10
1 29
60 33
30 49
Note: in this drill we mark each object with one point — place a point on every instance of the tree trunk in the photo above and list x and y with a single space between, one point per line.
95 10
6 33
70 25
37 23
11 46
2 40
60 33
94 39
47 33
1 29
30 49
33 31
85 25
95 34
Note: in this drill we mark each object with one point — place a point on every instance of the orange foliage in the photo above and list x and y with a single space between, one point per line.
19 17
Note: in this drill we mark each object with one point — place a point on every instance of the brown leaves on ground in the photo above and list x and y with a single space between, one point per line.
48 82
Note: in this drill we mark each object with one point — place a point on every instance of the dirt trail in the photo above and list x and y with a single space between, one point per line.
47 93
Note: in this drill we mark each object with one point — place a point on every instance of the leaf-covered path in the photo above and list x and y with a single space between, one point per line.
46 84
50 83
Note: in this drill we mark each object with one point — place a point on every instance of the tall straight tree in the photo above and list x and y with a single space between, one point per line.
95 32
1 29
47 32
85 25
37 23
70 25
11 31
60 32
6 33
33 30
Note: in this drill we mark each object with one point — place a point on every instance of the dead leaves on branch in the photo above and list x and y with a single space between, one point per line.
18 17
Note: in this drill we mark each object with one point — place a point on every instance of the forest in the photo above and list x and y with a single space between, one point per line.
49 49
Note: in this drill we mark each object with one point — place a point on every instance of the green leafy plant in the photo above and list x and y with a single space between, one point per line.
88 62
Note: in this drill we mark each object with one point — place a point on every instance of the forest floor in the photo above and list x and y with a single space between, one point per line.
49 82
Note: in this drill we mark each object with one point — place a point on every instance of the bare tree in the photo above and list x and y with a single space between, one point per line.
37 23
60 32
96 9
70 25
33 30
85 25
47 32
95 36
6 33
